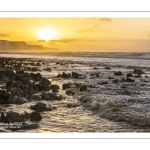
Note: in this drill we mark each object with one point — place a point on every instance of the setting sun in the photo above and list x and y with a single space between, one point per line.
46 34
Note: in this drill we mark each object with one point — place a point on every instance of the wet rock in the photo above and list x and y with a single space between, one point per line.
138 71
54 88
35 116
65 86
138 76
71 105
84 99
70 92
108 68
13 117
115 81
4 96
36 97
75 75
38 77
130 80
48 69
39 107
95 107
118 73
104 82
64 75
83 88
49 96
110 78
45 81
129 75
27 126
34 69
2 118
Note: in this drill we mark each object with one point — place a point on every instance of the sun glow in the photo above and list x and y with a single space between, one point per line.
46 34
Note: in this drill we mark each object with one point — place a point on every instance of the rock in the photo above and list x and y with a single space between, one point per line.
65 86
49 96
38 77
138 71
83 88
13 117
108 68
39 107
64 75
138 76
70 105
75 75
2 119
48 69
34 69
115 81
118 73
54 88
110 78
36 97
104 82
45 81
130 80
95 107
70 92
129 75
35 116
29 126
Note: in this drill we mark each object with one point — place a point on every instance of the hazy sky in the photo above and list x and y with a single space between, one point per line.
80 34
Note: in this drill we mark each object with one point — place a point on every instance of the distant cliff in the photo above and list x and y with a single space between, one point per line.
22 46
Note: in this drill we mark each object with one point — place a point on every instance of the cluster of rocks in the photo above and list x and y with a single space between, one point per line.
73 75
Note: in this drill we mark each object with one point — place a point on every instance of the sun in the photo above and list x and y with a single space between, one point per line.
46 34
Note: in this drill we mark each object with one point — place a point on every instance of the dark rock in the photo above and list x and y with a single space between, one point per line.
75 75
138 76
64 75
70 105
115 81
83 88
130 80
39 107
2 117
107 68
48 69
54 88
104 82
36 97
70 92
118 73
49 96
38 77
138 71
13 117
110 78
35 116
129 75
95 107
29 126
65 86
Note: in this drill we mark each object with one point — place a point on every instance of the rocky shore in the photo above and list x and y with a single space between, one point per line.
21 81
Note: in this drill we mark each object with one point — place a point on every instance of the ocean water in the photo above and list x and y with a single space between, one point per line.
120 109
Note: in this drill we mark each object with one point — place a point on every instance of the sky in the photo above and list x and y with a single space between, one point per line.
80 34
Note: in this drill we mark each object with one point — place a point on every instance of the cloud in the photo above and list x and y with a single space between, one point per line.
4 35
105 19
85 31
64 40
